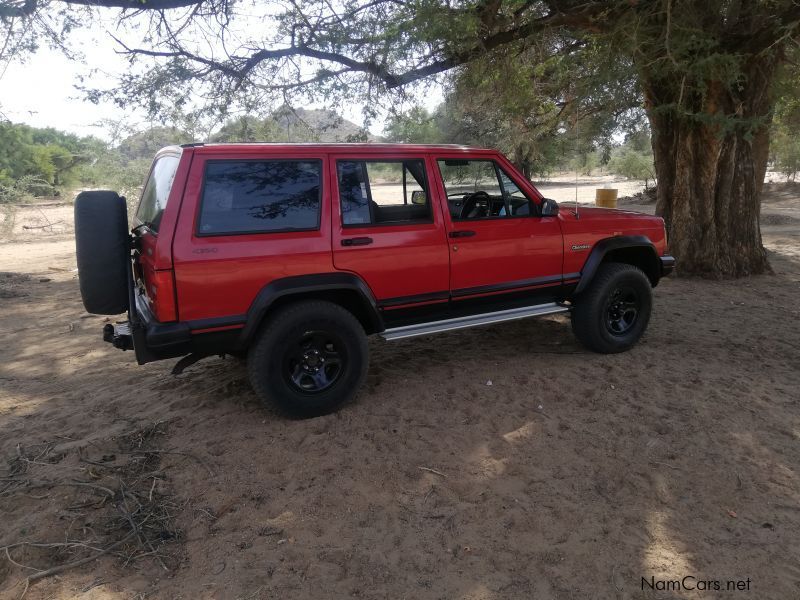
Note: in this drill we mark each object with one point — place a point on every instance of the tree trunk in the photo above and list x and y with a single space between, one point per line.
710 156
522 160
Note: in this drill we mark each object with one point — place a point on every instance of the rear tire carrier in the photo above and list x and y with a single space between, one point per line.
102 246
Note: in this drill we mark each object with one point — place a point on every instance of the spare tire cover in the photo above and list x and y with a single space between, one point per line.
103 249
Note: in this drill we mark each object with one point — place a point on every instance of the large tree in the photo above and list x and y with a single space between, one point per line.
705 69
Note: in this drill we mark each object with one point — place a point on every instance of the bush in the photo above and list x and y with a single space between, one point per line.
9 194
633 164
25 189
586 163
786 149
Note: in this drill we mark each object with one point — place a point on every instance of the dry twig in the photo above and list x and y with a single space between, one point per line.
434 471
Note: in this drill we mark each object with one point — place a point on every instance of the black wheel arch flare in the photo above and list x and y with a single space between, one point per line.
637 250
316 285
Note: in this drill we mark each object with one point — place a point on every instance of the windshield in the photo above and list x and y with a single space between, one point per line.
156 192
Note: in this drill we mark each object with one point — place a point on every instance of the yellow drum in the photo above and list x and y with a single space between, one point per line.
606 198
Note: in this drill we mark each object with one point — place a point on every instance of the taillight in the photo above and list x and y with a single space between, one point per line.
161 294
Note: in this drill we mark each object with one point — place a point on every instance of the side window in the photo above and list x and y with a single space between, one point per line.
156 192
383 192
480 189
260 196
518 203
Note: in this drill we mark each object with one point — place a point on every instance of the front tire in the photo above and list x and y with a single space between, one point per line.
310 358
612 314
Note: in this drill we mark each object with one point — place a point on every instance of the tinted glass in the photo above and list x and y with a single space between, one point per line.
480 189
260 196
383 192
156 191
461 177
353 193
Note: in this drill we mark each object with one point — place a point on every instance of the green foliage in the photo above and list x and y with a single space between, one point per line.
415 126
586 163
634 159
785 143
24 189
45 162
786 151
145 144
785 130
52 158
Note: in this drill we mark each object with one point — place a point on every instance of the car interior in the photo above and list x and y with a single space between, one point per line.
367 199
478 189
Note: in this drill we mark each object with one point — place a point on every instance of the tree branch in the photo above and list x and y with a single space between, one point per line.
136 4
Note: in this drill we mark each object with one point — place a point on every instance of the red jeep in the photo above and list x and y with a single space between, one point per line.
291 255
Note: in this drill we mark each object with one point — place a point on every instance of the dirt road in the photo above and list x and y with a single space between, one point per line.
503 462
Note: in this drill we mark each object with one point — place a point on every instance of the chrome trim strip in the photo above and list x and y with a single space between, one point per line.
512 314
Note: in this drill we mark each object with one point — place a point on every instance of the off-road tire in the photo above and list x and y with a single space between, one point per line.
272 359
102 248
593 311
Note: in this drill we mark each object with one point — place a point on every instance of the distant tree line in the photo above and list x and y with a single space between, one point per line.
42 162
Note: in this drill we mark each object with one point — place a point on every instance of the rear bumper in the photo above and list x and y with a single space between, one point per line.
149 339
667 265
152 341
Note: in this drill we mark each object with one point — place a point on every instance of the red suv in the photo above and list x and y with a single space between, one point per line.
290 255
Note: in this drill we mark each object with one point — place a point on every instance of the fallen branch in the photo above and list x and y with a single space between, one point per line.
36 483
145 543
192 456
663 464
41 226
77 563
434 471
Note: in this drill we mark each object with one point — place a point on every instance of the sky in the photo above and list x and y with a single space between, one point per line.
41 92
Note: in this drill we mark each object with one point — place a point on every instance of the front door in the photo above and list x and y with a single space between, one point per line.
385 228
498 242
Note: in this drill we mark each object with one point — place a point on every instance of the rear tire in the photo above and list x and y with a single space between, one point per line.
310 358
613 313
102 248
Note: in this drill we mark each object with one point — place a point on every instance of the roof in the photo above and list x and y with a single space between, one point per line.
369 146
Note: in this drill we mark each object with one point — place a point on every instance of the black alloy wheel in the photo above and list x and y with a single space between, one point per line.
622 310
315 362
309 358
612 314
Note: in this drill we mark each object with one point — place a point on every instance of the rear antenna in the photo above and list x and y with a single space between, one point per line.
577 146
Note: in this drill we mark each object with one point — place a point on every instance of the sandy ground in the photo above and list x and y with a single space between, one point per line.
502 462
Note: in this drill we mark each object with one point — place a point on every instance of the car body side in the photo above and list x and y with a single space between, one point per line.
209 294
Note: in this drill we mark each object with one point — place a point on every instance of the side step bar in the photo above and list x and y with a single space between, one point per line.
513 314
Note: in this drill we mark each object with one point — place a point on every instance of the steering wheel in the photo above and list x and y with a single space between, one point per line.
471 201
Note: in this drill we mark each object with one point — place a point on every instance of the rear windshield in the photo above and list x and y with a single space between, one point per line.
156 192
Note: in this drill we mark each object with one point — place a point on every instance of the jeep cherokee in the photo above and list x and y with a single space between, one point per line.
289 255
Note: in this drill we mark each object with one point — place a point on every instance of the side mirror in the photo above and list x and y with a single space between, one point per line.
418 197
549 207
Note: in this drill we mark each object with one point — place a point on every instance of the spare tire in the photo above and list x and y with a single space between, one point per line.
102 247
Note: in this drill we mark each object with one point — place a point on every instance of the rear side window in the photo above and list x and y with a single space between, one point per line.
263 196
156 191
383 192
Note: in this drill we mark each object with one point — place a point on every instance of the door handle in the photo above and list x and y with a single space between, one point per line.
357 241
461 233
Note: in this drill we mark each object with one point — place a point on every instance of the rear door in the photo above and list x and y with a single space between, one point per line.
249 216
498 242
385 228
